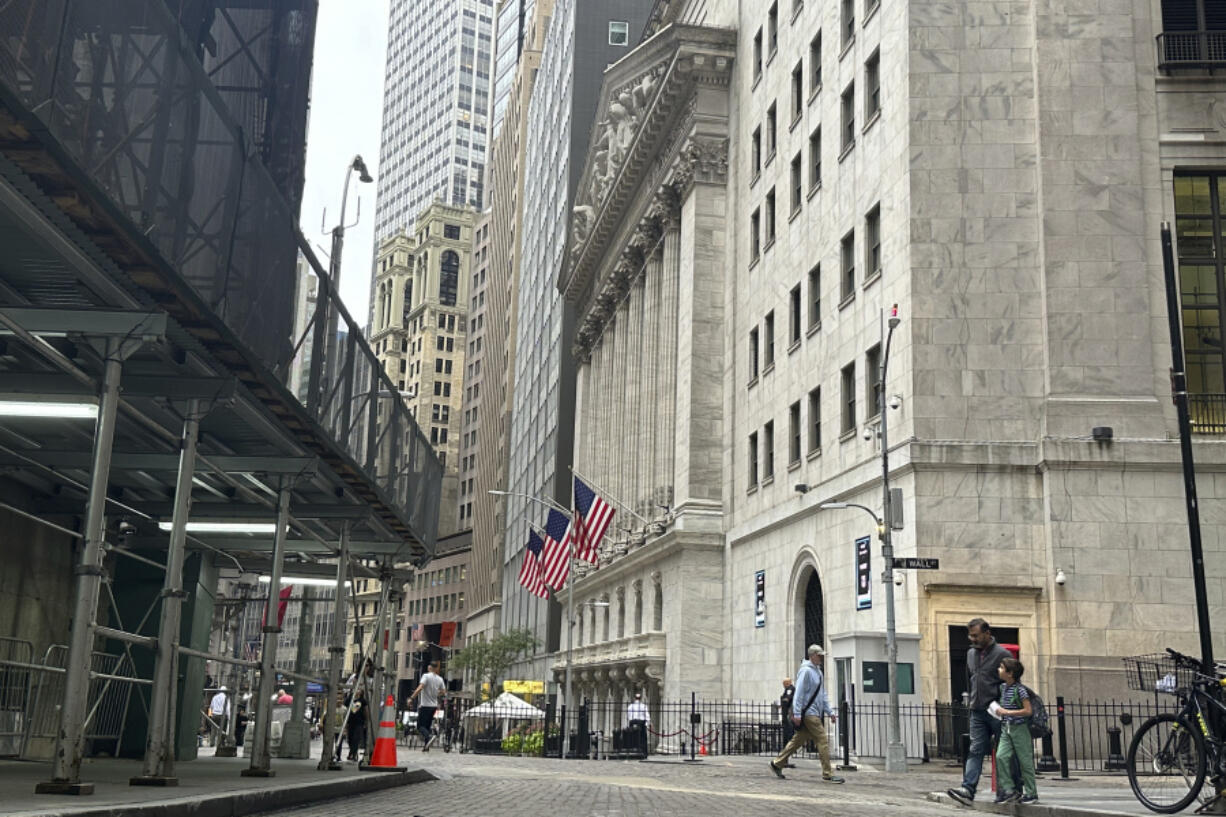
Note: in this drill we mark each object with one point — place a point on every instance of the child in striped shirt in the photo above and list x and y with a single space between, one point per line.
1015 738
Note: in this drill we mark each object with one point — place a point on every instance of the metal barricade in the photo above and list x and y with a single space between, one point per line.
110 693
16 658
46 697
108 701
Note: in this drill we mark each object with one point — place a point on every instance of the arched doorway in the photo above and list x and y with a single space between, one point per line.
814 611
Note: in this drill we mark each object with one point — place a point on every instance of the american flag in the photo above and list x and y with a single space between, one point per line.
530 575
592 518
557 549
419 632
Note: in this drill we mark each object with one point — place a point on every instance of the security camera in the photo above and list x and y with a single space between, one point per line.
895 401
1060 577
867 433
126 528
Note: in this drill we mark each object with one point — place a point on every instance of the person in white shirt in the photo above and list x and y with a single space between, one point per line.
639 719
432 690
219 711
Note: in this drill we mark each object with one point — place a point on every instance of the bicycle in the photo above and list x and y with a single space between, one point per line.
1172 753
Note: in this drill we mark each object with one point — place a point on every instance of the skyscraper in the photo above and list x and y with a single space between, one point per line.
435 109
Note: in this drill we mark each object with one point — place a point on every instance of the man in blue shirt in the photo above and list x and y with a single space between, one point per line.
810 706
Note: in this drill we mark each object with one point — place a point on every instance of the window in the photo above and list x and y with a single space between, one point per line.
440 343
768 451
848 21
755 235
815 63
753 354
772 133
794 315
770 218
849 116
798 91
798 192
757 56
449 277
815 296
815 420
451 231
794 433
1190 38
872 242
768 340
872 86
849 397
870 6
815 158
1200 201
755 152
753 460
872 381
772 28
847 250
619 33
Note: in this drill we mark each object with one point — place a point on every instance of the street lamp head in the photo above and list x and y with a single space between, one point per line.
497 493
833 506
801 487
360 166
894 319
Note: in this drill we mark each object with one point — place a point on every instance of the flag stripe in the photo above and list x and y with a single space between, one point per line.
557 550
530 574
592 518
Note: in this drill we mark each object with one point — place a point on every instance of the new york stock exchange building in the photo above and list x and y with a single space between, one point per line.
764 182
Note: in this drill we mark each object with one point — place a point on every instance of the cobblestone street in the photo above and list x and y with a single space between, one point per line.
479 785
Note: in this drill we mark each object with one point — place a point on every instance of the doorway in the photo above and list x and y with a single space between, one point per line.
815 625
959 643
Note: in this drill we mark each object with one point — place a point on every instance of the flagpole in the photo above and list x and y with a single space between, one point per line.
603 492
570 632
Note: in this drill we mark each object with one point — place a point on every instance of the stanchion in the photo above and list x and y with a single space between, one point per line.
1063 778
1047 760
695 722
1115 753
845 736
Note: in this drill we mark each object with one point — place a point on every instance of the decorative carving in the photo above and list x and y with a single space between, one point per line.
702 160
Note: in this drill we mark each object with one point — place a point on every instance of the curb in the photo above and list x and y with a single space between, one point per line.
239 803
1037 809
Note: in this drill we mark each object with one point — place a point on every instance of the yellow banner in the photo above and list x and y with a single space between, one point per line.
524 687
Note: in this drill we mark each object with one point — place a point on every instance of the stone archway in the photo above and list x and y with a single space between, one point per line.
808 620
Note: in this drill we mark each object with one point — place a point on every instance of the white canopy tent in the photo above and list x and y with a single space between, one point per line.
506 707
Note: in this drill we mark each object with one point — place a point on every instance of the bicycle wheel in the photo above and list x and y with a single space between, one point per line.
1166 763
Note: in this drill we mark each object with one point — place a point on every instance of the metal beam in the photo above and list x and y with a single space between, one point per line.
173 387
125 324
145 461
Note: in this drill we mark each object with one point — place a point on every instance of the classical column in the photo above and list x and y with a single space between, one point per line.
632 447
649 393
583 400
622 406
665 431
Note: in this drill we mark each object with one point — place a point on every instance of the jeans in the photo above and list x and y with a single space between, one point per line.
983 728
425 720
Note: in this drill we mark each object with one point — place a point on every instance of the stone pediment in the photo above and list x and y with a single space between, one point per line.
645 122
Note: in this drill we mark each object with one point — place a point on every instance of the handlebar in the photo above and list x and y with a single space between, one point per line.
1197 666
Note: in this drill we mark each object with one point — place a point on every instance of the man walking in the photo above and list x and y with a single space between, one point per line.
810 706
431 691
982 665
219 713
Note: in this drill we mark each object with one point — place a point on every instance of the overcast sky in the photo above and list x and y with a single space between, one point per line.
346 110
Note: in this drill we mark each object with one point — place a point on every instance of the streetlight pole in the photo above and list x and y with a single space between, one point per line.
334 269
895 754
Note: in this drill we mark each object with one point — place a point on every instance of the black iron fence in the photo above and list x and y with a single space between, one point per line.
1087 736
1192 49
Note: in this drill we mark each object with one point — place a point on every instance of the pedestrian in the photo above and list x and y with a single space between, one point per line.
431 689
1014 711
355 724
983 682
219 712
785 710
638 719
810 706
240 724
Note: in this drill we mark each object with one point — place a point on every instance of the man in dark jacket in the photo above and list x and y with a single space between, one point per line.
982 661
785 710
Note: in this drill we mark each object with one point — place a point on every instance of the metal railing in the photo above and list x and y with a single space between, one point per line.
14 694
1208 413
1192 49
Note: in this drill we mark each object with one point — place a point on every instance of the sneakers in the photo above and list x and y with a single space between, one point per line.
1029 799
962 795
832 779
778 772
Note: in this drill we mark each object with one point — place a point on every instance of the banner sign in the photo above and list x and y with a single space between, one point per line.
524 687
864 577
759 603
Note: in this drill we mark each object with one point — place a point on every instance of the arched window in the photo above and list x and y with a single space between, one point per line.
638 608
657 612
815 625
408 303
449 278
621 613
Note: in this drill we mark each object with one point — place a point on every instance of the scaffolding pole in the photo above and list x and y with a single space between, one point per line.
261 765
69 741
336 651
159 763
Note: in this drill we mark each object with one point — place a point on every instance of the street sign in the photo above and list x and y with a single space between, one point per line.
915 563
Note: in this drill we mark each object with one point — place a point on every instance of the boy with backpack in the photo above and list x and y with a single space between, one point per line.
1014 710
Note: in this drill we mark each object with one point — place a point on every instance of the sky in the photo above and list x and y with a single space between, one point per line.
345 119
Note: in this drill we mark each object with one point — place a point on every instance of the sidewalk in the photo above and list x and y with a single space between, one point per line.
208 787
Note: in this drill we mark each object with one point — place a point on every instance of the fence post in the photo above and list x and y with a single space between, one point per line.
1063 740
1047 760
563 734
695 721
845 715
1115 753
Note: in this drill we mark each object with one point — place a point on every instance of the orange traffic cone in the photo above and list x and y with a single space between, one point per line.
384 758
702 748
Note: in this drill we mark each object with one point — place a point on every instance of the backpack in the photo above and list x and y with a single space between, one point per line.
1039 722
